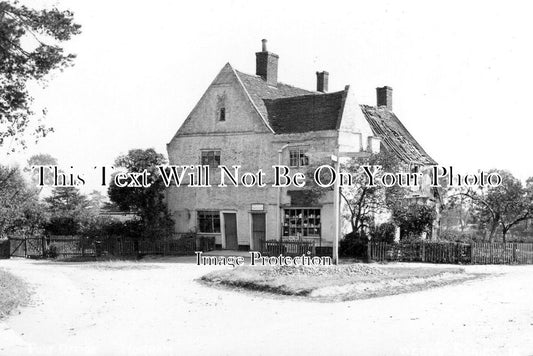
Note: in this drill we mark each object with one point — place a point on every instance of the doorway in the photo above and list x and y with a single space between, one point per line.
230 231
258 230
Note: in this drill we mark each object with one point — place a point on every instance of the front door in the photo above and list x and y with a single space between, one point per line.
258 231
230 231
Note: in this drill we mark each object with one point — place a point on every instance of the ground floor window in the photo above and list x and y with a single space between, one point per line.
209 221
301 222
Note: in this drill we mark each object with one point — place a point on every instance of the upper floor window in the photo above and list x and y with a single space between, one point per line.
211 158
221 107
298 157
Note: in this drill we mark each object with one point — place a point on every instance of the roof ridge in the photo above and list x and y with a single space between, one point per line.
304 96
282 83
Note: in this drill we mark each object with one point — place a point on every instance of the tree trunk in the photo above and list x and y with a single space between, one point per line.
504 233
493 227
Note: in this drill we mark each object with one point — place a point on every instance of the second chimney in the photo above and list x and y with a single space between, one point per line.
266 65
384 97
322 79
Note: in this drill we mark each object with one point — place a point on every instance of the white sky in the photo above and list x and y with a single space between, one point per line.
461 71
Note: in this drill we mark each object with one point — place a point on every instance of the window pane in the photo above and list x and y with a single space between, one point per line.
301 222
205 161
211 158
209 221
304 160
298 158
293 158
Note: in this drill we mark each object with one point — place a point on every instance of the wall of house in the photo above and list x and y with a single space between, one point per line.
319 147
253 152
243 139
354 131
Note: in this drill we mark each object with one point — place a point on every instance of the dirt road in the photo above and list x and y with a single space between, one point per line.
154 308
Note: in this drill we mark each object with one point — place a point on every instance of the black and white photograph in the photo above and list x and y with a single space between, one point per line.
266 178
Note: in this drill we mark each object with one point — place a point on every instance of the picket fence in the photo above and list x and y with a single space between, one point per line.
453 252
72 246
288 248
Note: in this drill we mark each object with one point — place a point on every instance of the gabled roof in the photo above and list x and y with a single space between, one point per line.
304 113
395 136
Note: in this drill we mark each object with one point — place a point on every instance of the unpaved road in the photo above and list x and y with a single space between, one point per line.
154 308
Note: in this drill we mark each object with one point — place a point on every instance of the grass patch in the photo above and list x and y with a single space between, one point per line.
336 283
13 293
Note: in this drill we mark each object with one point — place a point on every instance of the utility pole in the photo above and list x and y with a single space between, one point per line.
336 207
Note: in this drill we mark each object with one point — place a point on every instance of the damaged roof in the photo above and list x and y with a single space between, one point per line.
288 109
394 135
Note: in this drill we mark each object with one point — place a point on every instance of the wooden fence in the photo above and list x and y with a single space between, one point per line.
452 252
73 246
288 248
502 253
68 246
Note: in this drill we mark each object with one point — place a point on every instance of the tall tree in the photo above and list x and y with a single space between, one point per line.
147 202
41 159
19 207
97 200
29 50
362 201
502 206
68 210
67 199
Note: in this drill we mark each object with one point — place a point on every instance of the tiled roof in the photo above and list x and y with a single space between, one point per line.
258 90
305 113
288 109
395 136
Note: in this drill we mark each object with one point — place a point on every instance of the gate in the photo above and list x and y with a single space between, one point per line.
27 247
4 249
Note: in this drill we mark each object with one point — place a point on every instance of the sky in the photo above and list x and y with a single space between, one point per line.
461 71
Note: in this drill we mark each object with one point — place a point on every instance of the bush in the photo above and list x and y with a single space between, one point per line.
51 252
62 225
455 236
383 233
413 219
354 245
101 227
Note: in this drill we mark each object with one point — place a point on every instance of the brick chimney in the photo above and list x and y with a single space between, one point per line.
384 96
322 79
266 65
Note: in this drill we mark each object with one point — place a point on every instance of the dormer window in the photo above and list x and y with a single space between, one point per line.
222 114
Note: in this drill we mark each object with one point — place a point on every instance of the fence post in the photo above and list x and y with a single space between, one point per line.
369 251
43 246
